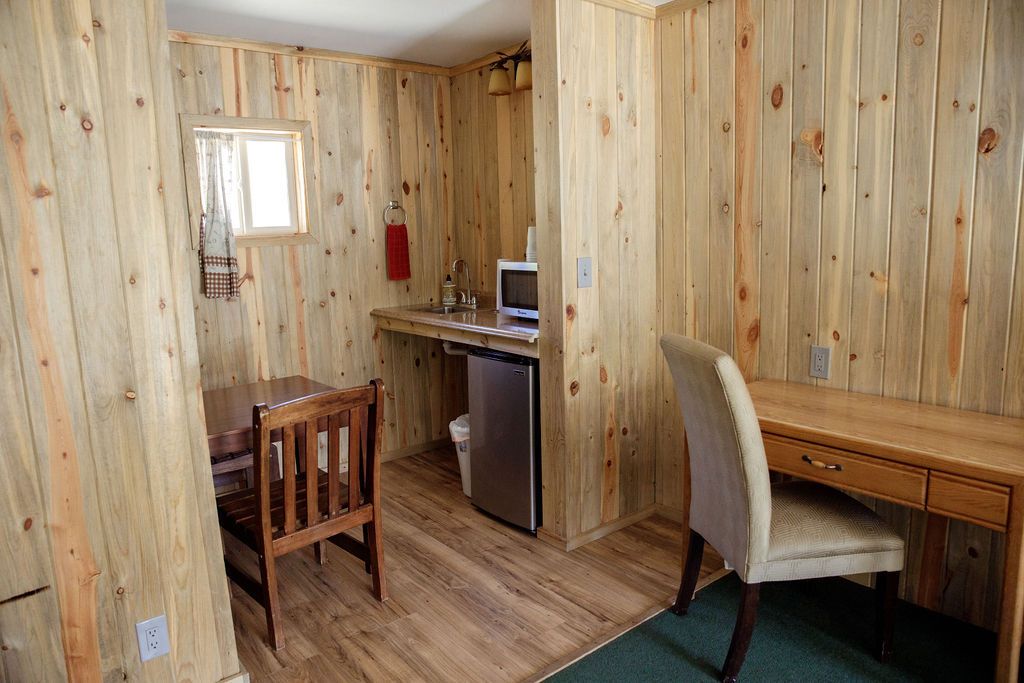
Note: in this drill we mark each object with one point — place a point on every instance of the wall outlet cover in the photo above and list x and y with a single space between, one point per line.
821 362
584 272
153 639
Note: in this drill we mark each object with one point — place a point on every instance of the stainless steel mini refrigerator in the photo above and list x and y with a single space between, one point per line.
504 429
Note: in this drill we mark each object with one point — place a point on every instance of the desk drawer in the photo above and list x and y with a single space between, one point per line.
861 473
969 499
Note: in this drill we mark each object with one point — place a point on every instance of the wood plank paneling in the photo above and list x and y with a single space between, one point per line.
807 140
98 302
776 178
1000 150
875 130
596 197
671 235
379 134
916 66
838 184
956 129
493 175
747 213
721 172
891 162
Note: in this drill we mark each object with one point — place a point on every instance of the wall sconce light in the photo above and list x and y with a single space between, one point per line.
501 81
524 75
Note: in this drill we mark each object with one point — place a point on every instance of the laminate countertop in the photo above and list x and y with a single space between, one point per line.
481 327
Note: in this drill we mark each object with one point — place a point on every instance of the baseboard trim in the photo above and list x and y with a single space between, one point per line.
241 677
609 528
413 450
669 512
551 538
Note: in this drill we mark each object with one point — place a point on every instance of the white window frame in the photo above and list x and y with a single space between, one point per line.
302 196
247 229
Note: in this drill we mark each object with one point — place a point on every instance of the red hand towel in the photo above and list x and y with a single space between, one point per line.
398 252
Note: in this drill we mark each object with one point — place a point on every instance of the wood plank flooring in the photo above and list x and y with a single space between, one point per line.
471 598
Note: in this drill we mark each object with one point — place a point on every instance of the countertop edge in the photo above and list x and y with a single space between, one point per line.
437 320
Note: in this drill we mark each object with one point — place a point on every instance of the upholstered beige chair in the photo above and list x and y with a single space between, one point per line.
781 532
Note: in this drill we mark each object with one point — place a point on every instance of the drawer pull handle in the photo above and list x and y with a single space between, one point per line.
821 465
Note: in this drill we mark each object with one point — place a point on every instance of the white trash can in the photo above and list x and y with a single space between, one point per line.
459 428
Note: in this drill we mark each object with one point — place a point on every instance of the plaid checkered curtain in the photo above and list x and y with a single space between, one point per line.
218 259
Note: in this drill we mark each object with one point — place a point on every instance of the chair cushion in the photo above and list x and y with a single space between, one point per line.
817 531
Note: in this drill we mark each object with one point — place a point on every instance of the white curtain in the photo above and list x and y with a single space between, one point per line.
218 260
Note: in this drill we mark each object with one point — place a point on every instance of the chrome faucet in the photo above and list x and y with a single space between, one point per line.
466 298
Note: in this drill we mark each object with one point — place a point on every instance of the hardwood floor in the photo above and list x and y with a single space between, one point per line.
471 598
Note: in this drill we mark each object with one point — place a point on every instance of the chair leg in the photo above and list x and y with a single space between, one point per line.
268 574
320 552
693 555
375 542
886 587
741 634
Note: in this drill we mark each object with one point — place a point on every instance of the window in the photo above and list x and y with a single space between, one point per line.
266 165
268 185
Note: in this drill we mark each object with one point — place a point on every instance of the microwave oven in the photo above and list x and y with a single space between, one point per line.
517 289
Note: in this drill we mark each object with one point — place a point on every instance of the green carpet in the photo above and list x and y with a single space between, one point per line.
819 630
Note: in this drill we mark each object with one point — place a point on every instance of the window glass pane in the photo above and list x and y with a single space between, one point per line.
269 183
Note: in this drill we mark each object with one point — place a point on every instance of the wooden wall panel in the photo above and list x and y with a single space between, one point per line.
492 177
672 253
596 198
891 151
102 366
995 230
776 178
875 131
916 67
721 172
956 129
839 178
381 134
807 140
747 212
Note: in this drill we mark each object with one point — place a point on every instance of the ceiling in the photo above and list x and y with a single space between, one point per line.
441 32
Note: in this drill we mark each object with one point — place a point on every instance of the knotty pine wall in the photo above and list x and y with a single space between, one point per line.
493 174
381 133
848 173
106 510
594 128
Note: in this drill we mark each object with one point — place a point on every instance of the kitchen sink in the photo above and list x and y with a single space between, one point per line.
443 310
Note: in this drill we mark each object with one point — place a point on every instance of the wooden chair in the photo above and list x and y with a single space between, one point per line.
784 532
308 505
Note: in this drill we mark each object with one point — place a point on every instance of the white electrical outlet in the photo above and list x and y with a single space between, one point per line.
821 361
153 640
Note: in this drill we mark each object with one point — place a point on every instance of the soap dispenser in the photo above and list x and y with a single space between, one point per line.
448 292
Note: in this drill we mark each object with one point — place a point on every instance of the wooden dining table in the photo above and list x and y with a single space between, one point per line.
229 410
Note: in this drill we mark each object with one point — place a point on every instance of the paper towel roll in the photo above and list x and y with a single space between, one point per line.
531 244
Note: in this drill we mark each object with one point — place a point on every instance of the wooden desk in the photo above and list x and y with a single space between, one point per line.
229 410
949 462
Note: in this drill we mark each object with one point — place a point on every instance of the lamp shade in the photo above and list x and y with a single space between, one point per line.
524 75
501 82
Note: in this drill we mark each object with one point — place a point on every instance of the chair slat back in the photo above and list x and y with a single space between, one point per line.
298 423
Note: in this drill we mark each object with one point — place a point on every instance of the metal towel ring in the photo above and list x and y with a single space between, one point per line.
393 205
